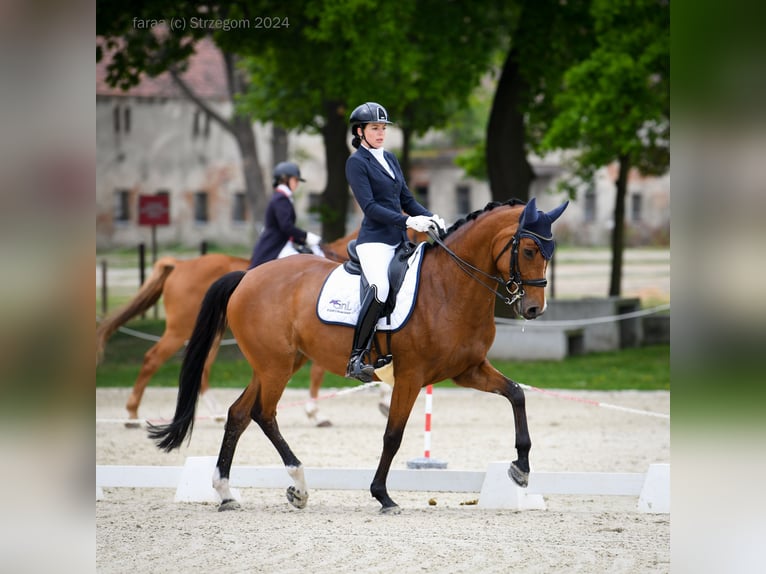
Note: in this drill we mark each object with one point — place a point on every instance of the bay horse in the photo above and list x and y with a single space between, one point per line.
182 283
272 312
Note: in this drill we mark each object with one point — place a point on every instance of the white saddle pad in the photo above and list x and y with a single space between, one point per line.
339 301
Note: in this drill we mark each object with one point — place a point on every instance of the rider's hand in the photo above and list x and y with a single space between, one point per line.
312 239
421 223
439 222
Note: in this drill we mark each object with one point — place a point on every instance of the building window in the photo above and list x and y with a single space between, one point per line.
421 194
201 124
121 119
590 205
200 207
635 207
239 210
207 126
122 205
463 199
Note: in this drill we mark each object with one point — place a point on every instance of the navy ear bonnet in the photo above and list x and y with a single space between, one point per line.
537 226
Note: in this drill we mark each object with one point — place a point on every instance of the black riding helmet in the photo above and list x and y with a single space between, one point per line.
367 113
286 169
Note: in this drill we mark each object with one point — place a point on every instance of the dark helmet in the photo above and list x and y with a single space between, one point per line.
369 112
287 168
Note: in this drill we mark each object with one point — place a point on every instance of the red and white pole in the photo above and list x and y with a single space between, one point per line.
426 461
429 407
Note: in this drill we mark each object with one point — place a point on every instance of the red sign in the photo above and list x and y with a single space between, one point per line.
154 210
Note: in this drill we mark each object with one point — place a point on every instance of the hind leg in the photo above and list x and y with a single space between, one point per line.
312 411
264 413
237 421
154 358
485 377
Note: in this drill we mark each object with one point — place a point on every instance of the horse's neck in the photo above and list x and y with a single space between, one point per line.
474 246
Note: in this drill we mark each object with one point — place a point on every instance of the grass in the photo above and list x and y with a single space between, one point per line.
644 368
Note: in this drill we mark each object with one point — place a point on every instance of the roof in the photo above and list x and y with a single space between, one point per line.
205 75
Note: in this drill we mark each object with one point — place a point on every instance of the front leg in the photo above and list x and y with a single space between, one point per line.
484 377
402 400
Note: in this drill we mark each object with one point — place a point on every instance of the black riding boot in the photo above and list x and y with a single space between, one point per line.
365 327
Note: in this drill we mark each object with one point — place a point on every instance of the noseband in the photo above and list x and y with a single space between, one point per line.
515 284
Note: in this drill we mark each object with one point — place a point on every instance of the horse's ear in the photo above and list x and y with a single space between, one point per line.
556 212
529 215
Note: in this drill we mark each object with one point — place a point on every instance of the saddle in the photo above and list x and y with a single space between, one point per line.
396 271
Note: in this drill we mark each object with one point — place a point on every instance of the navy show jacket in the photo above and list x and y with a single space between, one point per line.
381 198
280 228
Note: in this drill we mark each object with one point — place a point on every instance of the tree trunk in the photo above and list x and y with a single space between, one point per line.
255 191
335 198
618 231
404 161
278 144
510 174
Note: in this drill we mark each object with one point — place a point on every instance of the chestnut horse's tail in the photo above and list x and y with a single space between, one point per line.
148 294
211 323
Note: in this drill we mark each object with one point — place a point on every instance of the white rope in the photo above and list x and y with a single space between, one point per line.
523 324
155 338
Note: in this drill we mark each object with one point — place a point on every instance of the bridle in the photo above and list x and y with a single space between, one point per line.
515 284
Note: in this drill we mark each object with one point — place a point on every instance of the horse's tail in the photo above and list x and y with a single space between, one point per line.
148 294
211 323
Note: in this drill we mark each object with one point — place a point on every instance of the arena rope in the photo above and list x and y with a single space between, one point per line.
523 324
594 403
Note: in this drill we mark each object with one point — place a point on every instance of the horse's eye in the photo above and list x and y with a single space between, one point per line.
529 253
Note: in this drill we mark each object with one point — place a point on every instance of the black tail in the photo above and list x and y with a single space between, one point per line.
210 324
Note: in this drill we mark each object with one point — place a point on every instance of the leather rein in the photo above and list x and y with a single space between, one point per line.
515 284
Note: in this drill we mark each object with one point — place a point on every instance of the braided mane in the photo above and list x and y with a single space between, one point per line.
474 214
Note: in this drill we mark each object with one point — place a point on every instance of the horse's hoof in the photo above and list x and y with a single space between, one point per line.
230 504
133 424
220 418
392 510
383 408
297 498
324 423
518 476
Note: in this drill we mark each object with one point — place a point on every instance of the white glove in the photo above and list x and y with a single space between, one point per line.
421 223
312 239
440 225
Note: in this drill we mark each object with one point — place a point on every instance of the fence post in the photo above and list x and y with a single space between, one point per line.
141 266
104 290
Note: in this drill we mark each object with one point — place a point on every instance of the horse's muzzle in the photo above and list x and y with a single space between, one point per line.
533 312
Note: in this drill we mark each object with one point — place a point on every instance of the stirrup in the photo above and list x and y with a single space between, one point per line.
358 369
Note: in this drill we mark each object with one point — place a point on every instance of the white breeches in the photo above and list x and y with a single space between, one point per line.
375 258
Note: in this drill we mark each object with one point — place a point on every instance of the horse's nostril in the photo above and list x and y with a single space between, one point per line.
532 312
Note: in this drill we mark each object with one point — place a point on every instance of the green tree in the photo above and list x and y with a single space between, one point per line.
419 59
542 39
614 105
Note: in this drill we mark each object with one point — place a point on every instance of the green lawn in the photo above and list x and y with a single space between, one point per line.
645 368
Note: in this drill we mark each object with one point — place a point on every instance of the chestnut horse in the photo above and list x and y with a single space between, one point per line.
272 312
182 283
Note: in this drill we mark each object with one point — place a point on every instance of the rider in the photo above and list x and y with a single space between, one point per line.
381 192
277 238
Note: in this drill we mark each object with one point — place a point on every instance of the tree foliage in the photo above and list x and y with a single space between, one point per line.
615 103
